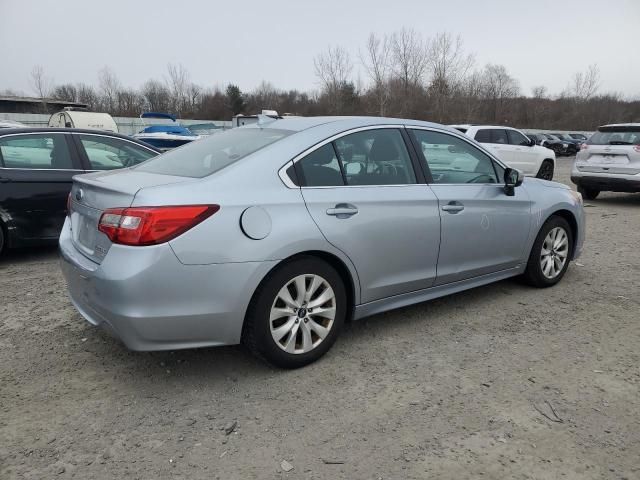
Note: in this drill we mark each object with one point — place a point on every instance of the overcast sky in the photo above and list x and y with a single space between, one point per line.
541 42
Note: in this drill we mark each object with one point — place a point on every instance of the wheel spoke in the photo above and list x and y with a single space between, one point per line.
285 296
558 265
282 330
315 284
307 343
329 312
290 346
319 329
322 299
280 312
301 287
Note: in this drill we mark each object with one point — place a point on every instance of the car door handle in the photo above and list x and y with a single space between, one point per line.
342 210
453 207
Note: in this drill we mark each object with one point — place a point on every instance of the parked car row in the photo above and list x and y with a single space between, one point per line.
36 168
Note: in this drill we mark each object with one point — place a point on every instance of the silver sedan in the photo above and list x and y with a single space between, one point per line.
276 234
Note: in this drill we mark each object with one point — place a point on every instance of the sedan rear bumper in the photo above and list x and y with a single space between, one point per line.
151 301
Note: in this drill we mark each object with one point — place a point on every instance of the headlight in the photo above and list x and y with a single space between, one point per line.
577 197
565 145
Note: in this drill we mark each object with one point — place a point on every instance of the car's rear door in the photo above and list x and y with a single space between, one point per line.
365 195
483 230
36 172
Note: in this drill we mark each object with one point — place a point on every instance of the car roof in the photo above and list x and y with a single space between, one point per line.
12 131
298 124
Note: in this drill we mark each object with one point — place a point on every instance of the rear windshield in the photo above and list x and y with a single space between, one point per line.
207 156
616 136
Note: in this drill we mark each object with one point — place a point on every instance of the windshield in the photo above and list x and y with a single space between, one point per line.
207 156
616 136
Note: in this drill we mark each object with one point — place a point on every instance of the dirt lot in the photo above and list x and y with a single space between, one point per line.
454 388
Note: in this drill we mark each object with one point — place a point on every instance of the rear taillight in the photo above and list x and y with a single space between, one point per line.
583 146
68 204
636 148
139 226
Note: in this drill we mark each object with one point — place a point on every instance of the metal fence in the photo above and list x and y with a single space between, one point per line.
126 125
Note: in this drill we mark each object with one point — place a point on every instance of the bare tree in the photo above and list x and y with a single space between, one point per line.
585 84
409 56
498 86
156 95
376 60
40 83
448 64
109 87
333 69
178 82
539 92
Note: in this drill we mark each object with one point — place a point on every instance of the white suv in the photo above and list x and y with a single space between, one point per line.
514 148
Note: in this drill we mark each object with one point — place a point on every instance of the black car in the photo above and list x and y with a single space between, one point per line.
579 136
571 141
36 167
543 140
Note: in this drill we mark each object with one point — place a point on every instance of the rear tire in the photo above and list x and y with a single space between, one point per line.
296 314
588 193
546 170
550 254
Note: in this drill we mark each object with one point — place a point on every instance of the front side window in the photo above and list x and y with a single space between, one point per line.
108 153
204 157
452 160
35 151
516 138
499 136
375 157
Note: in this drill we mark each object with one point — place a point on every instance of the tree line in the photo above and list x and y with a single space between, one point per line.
407 75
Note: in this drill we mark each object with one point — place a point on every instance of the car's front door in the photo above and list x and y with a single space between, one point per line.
36 171
363 193
483 230
524 156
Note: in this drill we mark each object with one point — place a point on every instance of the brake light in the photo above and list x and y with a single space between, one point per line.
583 146
139 226
637 148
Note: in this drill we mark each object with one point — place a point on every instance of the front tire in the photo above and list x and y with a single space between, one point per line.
296 314
546 170
550 254
588 193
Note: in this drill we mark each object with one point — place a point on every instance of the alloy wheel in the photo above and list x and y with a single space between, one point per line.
554 253
302 313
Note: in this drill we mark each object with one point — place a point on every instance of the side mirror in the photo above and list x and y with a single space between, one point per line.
512 178
532 142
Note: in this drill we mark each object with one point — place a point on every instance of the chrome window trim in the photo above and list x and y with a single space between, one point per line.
282 172
116 138
39 169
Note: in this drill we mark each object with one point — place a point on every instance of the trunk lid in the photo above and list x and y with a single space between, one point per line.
613 149
92 194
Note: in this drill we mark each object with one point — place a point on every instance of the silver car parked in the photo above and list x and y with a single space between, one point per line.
609 161
275 234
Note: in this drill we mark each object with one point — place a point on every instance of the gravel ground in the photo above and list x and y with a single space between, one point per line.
455 388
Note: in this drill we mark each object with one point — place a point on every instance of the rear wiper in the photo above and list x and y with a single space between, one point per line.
619 142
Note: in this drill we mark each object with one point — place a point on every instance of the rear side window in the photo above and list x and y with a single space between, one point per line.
616 136
109 153
499 136
483 136
204 157
370 157
35 151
